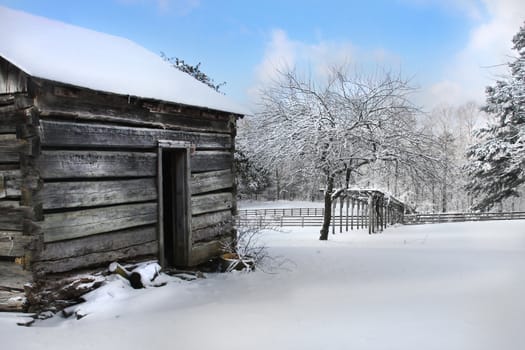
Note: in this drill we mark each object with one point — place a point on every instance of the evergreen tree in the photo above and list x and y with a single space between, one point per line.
497 162
251 178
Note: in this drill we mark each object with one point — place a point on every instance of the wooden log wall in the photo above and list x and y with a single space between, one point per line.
17 146
98 167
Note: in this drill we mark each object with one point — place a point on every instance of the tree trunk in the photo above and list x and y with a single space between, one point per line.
348 174
327 208
396 180
444 198
278 184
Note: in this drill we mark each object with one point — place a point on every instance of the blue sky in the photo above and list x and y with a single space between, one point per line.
442 45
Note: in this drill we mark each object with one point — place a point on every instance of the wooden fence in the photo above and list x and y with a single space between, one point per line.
293 212
351 208
302 221
415 219
305 217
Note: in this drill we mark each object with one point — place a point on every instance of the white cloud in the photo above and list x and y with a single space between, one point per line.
181 7
316 59
445 92
464 78
482 59
471 8
280 54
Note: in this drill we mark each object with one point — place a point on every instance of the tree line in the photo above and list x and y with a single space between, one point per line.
311 139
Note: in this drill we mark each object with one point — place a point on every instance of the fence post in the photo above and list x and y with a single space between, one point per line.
352 216
333 218
358 215
383 216
370 214
347 208
341 215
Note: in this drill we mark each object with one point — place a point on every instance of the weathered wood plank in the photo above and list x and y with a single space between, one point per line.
6 99
12 116
12 79
14 275
202 252
11 145
56 195
7 139
7 129
82 223
13 166
81 104
13 243
68 134
149 249
9 157
207 220
13 204
85 164
98 243
11 219
211 181
10 182
209 233
185 110
137 118
209 226
210 202
203 161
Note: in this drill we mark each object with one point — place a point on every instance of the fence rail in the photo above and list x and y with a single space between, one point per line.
303 221
415 219
282 212
304 217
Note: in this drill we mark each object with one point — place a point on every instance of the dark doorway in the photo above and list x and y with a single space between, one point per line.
173 206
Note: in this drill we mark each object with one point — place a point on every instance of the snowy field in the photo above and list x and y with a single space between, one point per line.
446 286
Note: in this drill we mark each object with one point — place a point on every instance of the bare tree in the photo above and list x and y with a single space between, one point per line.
453 127
336 128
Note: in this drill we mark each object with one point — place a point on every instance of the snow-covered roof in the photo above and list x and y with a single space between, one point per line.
69 54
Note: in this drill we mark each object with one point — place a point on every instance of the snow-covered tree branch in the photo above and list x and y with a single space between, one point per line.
497 161
333 129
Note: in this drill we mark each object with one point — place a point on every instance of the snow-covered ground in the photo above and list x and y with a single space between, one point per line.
446 286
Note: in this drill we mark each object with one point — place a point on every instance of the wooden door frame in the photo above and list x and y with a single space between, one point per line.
181 258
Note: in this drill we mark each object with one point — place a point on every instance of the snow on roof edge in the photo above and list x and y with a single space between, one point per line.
102 62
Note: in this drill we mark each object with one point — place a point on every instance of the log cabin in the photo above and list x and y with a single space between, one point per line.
107 153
